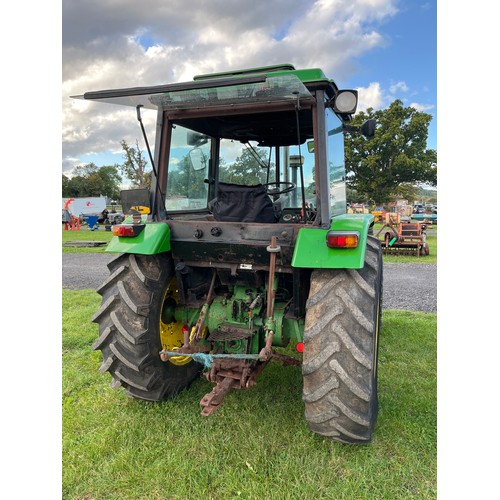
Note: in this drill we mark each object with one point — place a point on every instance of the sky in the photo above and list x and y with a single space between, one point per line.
384 48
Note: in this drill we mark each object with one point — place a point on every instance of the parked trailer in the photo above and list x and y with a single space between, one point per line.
425 217
83 207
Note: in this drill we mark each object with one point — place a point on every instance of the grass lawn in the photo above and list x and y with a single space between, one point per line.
257 445
85 234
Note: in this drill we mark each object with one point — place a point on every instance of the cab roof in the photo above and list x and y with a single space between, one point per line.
279 82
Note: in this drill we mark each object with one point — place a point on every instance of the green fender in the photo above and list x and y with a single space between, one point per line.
155 238
311 250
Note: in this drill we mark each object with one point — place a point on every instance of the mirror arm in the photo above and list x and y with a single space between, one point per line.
351 128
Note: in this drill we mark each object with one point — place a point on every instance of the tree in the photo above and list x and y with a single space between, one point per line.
66 186
109 181
396 155
407 192
354 197
74 187
135 165
247 169
185 181
91 180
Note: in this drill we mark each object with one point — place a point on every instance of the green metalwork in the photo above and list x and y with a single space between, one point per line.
279 338
243 308
305 75
239 322
130 219
186 315
154 239
311 250
236 321
237 326
168 310
292 330
259 70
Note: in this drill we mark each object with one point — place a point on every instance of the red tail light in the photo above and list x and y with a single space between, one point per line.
127 230
342 239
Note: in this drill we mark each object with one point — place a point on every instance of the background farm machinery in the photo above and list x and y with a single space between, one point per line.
403 238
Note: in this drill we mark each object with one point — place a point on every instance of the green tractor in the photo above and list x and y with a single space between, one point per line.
247 248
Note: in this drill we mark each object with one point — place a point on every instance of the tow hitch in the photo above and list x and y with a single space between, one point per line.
229 371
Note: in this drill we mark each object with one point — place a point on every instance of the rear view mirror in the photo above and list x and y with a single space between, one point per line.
197 159
368 127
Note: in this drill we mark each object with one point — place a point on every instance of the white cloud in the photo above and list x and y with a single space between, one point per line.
370 97
374 97
116 44
398 87
422 107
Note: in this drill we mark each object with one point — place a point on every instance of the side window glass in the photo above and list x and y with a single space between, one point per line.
187 170
291 158
336 165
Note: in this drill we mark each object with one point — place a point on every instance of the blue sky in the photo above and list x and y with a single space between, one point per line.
408 58
384 48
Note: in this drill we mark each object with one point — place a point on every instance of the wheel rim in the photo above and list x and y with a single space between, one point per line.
171 331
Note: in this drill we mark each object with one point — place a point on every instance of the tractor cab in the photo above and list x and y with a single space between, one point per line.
236 136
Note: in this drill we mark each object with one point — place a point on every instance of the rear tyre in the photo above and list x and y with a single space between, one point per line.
130 328
342 325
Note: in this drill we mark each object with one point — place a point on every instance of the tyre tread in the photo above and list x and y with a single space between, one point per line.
128 320
339 392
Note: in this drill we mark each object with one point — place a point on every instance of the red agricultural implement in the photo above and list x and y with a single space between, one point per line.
403 238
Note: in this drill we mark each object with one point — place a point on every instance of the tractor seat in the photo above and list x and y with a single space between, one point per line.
237 203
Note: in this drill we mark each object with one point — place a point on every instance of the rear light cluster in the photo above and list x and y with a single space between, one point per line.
342 239
128 230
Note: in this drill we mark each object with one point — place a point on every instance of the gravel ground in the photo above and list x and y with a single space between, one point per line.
406 286
410 286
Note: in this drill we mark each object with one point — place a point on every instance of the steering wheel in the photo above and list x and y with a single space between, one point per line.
289 186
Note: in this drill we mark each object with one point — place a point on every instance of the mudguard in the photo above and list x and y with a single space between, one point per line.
154 239
311 250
